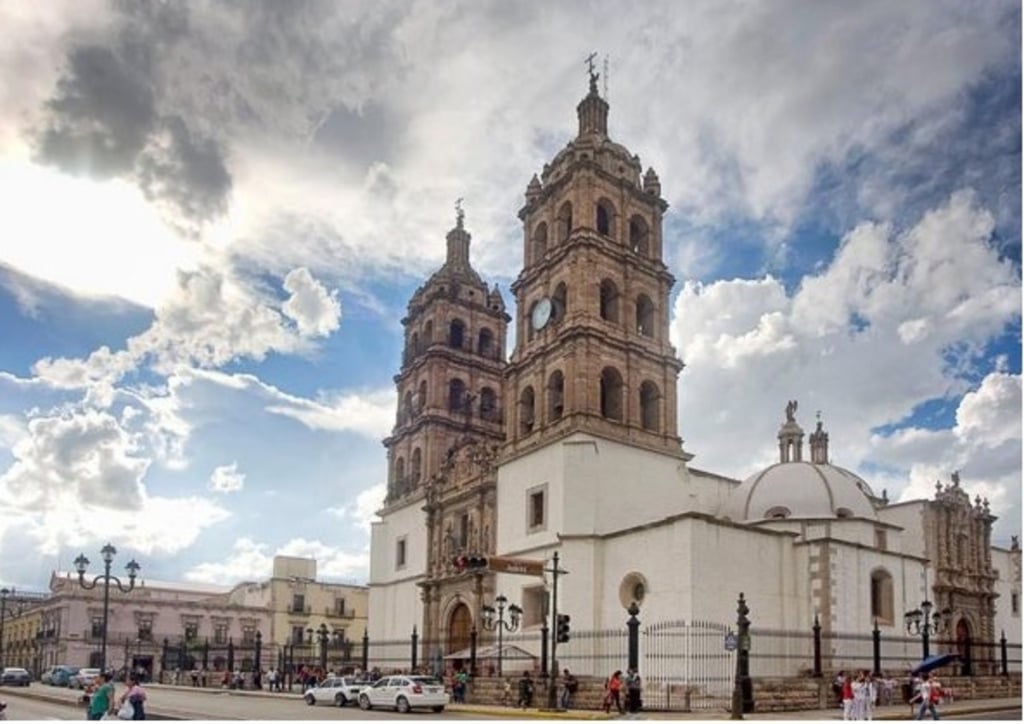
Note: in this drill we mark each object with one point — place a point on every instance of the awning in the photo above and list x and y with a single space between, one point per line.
508 651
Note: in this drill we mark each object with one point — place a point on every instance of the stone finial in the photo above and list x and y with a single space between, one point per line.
938 487
533 189
652 184
1014 543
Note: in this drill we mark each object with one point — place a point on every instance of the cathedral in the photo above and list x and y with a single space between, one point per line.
569 444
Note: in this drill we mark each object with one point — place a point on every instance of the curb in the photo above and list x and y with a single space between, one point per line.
511 712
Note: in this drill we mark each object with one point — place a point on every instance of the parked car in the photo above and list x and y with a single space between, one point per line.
15 676
83 679
62 675
337 690
403 693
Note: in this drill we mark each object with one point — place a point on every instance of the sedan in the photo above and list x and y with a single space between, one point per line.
337 690
15 676
403 693
83 679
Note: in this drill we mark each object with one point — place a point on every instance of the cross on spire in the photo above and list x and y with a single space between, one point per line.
590 71
460 215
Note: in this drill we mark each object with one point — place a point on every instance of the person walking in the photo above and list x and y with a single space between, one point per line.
101 698
633 686
859 687
136 696
570 685
847 699
525 691
931 695
872 696
613 694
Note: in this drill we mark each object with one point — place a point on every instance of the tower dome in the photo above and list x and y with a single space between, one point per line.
795 488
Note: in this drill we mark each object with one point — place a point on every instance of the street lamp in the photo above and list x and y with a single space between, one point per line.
321 635
81 563
490 622
922 622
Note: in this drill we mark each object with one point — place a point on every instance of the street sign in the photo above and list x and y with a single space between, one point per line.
730 641
522 566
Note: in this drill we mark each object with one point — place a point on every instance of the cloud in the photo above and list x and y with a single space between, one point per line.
227 479
364 510
250 561
314 310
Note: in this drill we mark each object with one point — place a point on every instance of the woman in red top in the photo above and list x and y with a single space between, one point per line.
614 694
848 699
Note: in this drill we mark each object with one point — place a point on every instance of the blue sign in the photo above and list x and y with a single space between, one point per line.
730 641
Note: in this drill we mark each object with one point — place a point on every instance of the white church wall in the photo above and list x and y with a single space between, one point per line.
909 517
1007 619
708 492
394 601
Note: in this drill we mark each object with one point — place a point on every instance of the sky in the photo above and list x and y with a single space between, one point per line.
215 213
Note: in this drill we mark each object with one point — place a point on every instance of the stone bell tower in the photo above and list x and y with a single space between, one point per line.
592 324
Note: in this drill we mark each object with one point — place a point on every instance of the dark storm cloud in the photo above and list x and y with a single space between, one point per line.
100 115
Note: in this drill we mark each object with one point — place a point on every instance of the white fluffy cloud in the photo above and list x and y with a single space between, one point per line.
314 310
251 561
227 479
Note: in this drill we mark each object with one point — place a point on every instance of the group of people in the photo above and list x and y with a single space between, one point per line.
103 699
621 691
858 693
614 690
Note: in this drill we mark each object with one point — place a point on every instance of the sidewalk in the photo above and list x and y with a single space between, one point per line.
893 712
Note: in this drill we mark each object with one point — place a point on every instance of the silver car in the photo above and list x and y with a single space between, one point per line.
404 693
337 690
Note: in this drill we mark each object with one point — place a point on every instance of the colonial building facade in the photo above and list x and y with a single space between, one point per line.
572 447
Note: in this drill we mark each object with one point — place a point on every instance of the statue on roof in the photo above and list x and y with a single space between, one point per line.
590 71
955 477
460 215
791 411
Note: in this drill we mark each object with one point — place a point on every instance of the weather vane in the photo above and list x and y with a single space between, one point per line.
459 213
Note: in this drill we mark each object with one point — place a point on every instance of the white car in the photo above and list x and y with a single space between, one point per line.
404 693
337 690
83 679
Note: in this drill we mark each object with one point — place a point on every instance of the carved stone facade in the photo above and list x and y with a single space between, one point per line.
958 540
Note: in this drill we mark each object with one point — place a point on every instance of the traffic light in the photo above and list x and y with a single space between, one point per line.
476 563
563 628
460 563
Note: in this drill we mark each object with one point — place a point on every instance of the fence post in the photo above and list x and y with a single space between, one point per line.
1002 653
545 634
743 690
876 649
163 658
259 646
816 629
231 655
472 652
633 626
366 651
206 653
415 640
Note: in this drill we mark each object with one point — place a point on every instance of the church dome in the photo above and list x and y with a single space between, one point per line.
800 490
795 488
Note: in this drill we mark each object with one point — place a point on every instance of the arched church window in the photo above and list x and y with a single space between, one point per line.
639 237
456 395
526 410
844 513
428 334
609 297
881 596
611 394
540 241
421 396
605 217
399 473
644 316
778 512
559 300
564 221
408 412
456 334
417 466
649 412
488 404
556 396
485 343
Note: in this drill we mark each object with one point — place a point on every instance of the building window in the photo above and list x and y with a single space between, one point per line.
556 396
535 606
463 530
611 394
609 301
485 343
536 509
638 236
417 466
400 553
559 302
1015 604
248 635
644 316
96 627
191 630
649 397
564 221
298 635
298 603
488 405
881 539
540 241
456 334
526 411
778 512
339 607
145 630
605 214
881 596
456 395
220 633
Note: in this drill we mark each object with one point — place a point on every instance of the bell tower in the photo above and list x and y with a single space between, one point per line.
592 323
449 385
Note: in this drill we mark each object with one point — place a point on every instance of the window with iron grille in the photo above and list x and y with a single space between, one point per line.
220 633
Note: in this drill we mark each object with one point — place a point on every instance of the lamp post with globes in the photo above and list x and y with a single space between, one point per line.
4 594
491 623
81 563
922 622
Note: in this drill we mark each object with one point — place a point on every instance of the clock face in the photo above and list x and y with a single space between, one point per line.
541 314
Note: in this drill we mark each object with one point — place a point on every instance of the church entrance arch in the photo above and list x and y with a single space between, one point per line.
459 624
963 646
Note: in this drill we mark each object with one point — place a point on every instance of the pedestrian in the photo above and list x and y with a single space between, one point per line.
257 679
570 685
872 696
837 687
461 684
506 693
613 693
633 686
195 677
859 687
931 695
525 691
136 696
847 699
101 698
